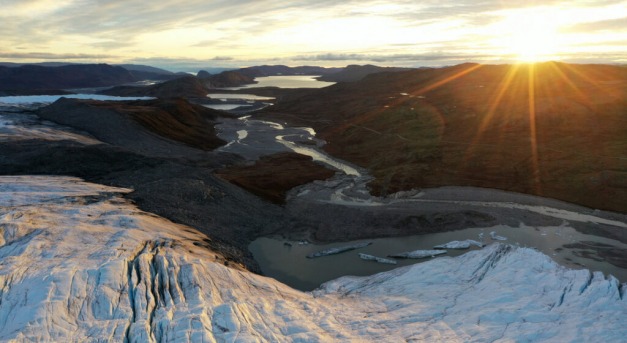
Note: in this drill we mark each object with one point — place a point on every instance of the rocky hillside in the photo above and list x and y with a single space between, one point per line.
552 129
128 123
227 79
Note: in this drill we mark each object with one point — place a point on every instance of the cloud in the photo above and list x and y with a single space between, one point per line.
222 58
53 56
619 24
245 31
387 58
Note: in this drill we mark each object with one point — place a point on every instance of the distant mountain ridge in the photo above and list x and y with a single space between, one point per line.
63 77
144 72
16 78
274 70
357 72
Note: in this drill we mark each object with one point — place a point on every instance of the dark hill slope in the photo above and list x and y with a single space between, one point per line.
551 129
33 77
227 79
187 86
168 128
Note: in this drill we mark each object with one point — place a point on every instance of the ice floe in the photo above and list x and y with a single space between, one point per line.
367 257
418 254
338 250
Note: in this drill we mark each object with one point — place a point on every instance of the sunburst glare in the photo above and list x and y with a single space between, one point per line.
530 36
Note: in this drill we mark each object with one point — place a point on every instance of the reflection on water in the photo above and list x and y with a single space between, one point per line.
318 155
286 260
264 138
225 107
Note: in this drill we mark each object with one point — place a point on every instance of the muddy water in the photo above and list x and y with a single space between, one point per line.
286 260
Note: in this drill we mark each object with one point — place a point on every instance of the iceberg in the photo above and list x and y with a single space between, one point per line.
419 254
367 257
338 250
496 237
459 244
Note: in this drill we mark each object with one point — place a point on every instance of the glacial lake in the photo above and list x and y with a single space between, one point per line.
234 96
286 260
286 81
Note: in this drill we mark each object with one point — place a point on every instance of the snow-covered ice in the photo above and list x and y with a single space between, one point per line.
79 263
459 244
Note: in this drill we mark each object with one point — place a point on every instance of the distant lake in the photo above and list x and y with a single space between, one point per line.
225 107
287 81
232 96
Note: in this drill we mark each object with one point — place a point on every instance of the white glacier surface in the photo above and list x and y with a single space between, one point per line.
79 263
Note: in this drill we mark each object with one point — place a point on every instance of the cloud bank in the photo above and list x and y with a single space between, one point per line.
239 32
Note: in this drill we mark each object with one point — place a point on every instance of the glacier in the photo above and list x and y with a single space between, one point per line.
81 263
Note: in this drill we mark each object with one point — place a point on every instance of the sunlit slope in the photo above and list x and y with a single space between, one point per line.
552 129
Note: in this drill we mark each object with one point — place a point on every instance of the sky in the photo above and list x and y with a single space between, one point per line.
187 35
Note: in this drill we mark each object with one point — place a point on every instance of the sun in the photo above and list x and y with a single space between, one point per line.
530 36
535 42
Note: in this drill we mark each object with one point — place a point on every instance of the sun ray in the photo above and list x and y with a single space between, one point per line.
396 102
533 137
447 80
593 81
487 119
556 68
